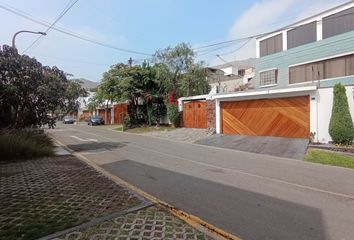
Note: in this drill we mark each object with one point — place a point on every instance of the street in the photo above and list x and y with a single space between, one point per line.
249 195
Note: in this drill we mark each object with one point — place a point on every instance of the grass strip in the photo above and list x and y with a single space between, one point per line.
329 158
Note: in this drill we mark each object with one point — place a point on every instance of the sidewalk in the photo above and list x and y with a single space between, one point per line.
65 198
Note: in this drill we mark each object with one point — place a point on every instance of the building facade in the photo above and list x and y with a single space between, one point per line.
296 69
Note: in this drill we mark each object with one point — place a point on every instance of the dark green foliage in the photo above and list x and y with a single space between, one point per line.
139 86
126 123
341 126
25 144
180 72
29 91
173 114
147 87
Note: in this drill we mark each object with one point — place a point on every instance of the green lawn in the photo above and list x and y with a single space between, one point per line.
329 158
146 129
119 128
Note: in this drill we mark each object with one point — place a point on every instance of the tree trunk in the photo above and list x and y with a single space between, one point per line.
106 114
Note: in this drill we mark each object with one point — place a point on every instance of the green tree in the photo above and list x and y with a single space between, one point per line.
73 91
29 91
341 126
179 72
138 85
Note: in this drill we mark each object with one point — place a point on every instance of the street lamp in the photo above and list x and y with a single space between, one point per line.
24 31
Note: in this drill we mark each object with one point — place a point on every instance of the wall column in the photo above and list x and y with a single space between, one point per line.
285 40
217 116
210 115
319 29
314 101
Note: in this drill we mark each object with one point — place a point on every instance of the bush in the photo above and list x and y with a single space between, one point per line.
341 126
127 123
173 114
25 144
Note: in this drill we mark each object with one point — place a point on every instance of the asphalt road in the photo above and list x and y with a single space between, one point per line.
249 195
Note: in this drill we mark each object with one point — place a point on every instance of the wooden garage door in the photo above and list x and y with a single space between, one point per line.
282 117
194 114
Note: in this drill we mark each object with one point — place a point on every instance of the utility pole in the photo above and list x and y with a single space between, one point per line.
24 31
130 62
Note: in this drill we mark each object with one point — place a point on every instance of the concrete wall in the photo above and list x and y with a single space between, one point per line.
334 46
228 86
321 118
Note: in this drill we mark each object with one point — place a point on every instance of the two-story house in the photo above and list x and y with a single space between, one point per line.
232 76
296 69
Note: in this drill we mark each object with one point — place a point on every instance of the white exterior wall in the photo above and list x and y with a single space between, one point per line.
325 102
230 70
313 113
217 117
228 86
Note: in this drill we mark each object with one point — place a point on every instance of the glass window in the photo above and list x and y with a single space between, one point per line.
268 77
331 68
303 34
338 23
271 45
335 67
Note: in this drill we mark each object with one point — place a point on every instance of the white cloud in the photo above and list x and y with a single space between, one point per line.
259 17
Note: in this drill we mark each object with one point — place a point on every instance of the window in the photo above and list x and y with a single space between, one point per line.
269 77
338 23
301 35
331 68
271 45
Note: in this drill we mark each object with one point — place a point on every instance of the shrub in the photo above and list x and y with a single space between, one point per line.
126 123
341 126
173 114
25 144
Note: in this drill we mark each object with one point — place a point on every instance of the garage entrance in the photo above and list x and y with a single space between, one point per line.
280 117
194 114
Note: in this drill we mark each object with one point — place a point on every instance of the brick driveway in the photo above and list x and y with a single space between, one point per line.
148 223
43 196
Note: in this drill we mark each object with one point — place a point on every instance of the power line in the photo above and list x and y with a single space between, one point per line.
74 60
70 4
68 32
213 50
238 48
226 42
216 47
197 49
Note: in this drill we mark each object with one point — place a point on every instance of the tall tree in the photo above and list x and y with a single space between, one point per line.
29 91
180 72
137 84
73 91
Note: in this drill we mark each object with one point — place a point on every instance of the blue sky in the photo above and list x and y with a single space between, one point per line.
146 25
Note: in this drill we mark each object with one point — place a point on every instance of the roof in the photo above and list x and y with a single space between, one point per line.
240 64
217 75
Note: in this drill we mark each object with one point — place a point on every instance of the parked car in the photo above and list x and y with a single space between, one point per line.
95 120
68 120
